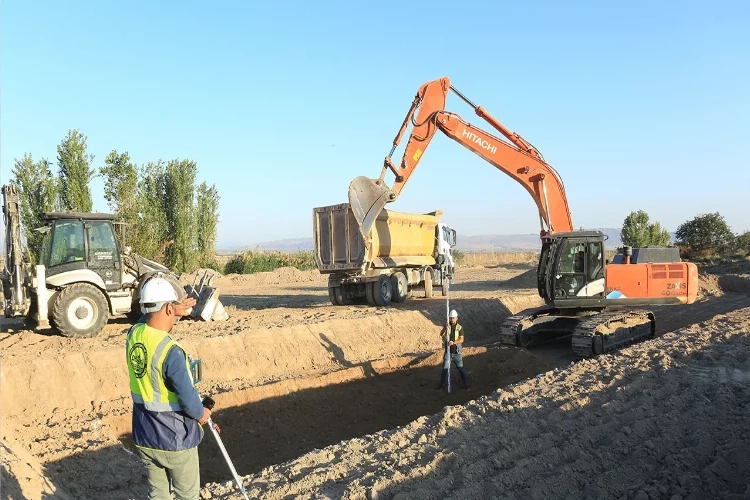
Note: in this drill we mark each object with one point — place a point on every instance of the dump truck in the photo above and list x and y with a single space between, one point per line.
400 254
85 274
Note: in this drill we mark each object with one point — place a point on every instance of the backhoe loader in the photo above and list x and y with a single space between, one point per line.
586 298
85 274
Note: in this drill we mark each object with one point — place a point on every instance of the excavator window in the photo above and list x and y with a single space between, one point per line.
67 243
596 266
571 269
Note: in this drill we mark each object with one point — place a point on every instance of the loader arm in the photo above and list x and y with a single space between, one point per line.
516 157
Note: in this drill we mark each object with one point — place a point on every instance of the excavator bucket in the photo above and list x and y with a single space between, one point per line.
367 198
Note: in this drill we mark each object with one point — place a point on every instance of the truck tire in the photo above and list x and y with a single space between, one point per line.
80 311
342 299
382 290
428 284
399 287
332 296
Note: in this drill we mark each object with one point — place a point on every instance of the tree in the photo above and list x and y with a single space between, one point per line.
207 221
38 191
706 234
121 191
75 172
153 227
638 231
178 203
743 243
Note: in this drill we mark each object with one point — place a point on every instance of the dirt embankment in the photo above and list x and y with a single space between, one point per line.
665 419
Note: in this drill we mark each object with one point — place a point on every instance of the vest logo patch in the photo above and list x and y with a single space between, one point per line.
138 356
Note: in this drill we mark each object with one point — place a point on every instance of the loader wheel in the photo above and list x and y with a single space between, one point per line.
382 290
428 284
399 287
80 311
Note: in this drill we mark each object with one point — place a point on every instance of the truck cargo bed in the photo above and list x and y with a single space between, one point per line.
396 240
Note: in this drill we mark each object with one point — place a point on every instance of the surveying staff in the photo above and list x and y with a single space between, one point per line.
453 333
167 410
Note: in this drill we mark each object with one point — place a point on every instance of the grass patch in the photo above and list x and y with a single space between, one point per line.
253 261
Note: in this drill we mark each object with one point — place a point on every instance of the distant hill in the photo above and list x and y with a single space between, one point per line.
497 242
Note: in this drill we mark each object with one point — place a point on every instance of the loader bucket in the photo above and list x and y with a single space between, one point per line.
367 198
208 307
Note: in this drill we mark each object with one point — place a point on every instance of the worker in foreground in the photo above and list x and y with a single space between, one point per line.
453 333
167 410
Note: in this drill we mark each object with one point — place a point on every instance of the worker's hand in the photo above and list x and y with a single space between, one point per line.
183 308
206 414
451 343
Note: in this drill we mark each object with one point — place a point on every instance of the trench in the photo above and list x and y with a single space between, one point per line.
278 422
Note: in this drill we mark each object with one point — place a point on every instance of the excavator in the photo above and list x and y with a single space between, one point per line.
598 304
85 274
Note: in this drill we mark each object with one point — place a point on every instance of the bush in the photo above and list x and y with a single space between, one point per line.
458 255
254 261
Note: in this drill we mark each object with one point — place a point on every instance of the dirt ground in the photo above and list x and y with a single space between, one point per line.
317 401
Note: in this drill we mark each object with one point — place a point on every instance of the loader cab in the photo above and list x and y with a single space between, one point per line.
75 245
571 268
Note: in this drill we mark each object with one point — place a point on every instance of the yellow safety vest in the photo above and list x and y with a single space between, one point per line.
147 349
456 333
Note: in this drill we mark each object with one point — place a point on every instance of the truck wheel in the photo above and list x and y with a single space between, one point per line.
80 311
399 287
382 290
370 292
332 296
428 284
341 299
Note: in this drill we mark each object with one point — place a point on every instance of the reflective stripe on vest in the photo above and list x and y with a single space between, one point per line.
147 349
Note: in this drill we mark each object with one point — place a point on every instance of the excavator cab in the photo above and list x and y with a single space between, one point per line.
571 269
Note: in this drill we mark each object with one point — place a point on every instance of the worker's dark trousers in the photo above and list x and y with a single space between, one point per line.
457 359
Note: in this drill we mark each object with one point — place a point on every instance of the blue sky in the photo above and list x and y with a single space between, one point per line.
638 105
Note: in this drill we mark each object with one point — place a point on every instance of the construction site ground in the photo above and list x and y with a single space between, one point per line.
319 401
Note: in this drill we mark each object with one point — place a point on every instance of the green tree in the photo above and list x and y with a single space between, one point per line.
179 184
153 228
638 231
38 191
743 243
121 192
75 172
706 234
207 221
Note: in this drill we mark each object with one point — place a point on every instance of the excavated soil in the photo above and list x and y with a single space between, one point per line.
351 392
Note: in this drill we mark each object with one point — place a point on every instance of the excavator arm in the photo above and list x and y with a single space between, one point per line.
516 157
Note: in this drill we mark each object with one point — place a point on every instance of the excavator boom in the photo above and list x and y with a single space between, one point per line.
516 157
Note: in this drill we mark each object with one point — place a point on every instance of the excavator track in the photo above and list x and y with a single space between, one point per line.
513 328
610 331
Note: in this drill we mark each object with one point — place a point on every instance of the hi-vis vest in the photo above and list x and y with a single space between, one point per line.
146 355
456 332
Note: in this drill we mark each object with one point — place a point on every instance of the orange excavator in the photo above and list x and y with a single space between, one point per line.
597 303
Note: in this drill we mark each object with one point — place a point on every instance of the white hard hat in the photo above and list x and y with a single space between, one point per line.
155 293
454 314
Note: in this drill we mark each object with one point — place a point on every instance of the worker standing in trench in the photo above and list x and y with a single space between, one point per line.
167 411
453 333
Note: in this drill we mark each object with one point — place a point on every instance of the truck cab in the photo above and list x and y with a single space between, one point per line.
446 241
